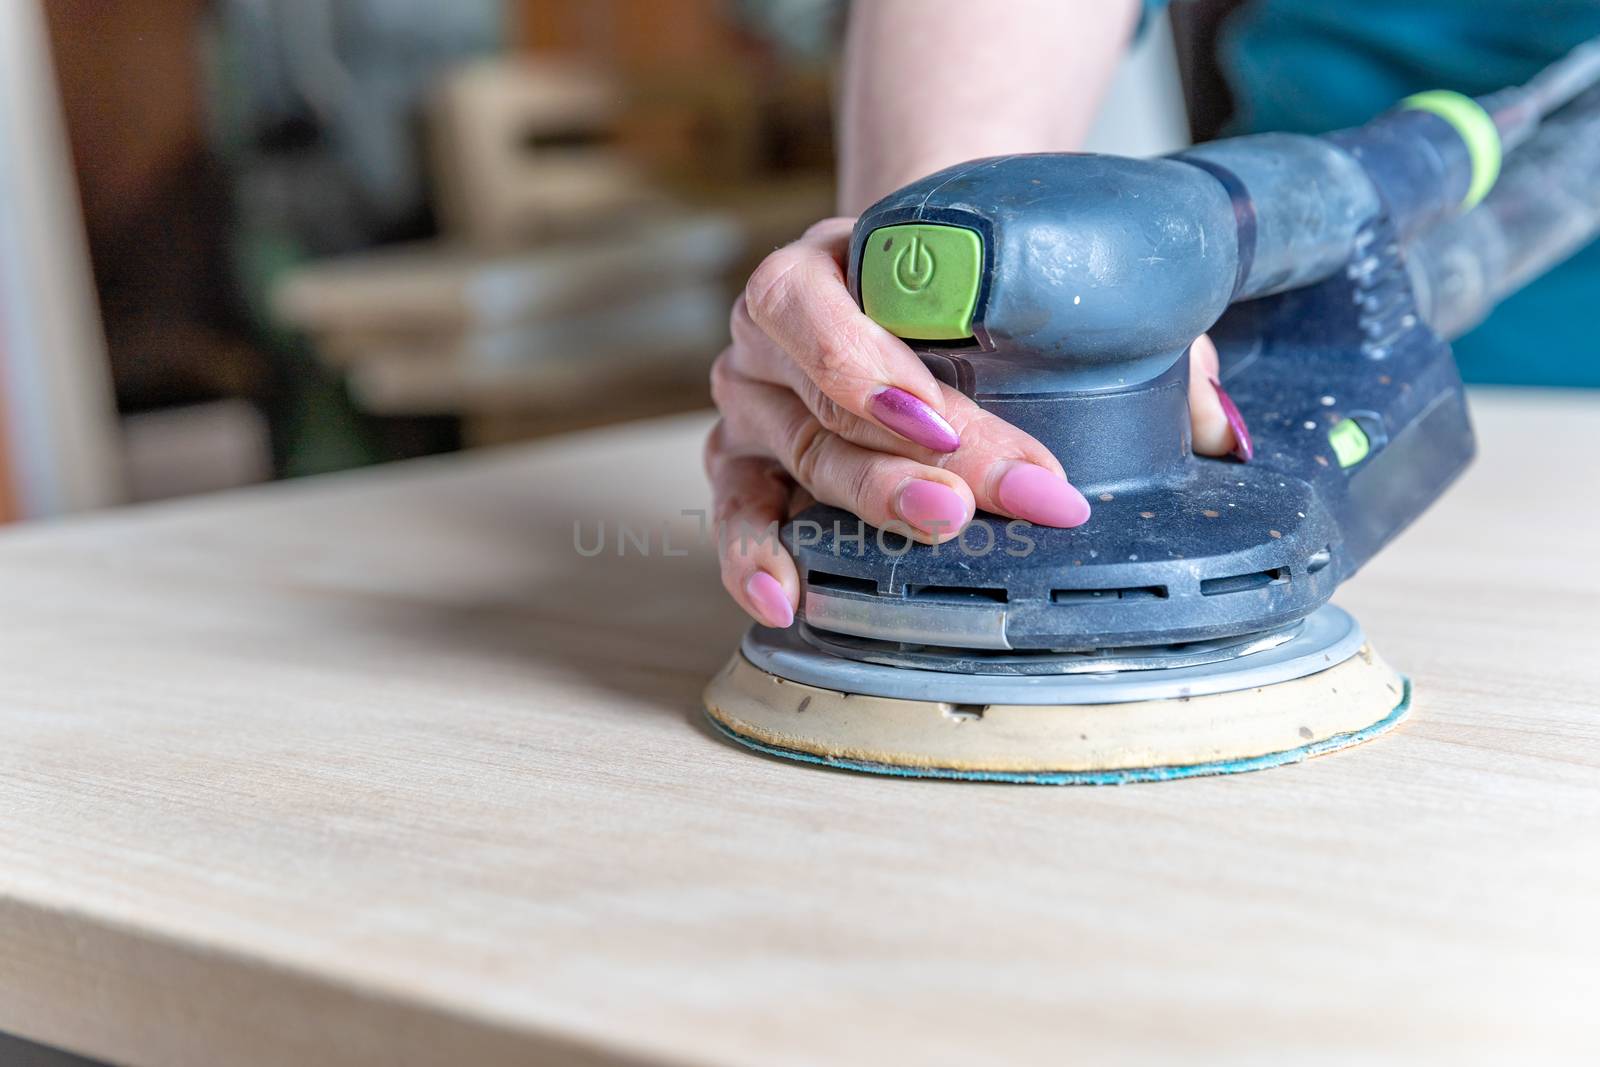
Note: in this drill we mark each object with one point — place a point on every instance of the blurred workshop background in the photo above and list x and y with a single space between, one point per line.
252 239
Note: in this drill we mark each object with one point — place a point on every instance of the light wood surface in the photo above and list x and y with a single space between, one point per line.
498 186
433 288
378 769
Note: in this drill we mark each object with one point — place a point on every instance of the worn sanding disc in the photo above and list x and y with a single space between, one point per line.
1332 703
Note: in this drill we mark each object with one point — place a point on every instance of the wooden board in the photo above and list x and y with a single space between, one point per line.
378 769
599 360
429 287
499 181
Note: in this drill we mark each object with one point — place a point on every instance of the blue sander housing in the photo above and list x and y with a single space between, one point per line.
1186 628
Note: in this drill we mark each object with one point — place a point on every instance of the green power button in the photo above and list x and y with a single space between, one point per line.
1350 442
920 280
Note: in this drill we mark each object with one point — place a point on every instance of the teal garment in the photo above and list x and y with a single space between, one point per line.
1311 66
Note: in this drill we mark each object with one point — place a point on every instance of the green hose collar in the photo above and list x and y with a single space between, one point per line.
1477 132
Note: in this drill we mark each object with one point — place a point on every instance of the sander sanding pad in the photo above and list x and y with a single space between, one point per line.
1068 744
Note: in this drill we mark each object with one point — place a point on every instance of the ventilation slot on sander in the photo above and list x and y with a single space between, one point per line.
841 583
957 593
1243 583
1097 596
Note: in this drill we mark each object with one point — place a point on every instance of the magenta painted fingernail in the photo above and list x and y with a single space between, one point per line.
1042 496
932 508
1244 449
770 601
914 420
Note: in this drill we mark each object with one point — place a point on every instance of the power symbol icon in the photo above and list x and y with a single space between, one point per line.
913 267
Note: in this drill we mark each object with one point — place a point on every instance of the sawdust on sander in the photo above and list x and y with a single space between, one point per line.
1215 733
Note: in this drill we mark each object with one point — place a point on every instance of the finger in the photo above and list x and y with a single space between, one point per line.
751 499
756 356
1009 471
891 492
996 460
1208 421
798 298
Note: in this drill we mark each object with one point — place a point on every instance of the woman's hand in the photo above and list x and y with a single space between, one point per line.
817 399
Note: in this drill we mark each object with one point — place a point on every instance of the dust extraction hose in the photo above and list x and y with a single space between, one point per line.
1544 207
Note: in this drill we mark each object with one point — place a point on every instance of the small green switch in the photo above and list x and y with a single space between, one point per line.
1350 443
920 280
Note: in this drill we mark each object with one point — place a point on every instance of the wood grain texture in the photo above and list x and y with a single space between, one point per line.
379 769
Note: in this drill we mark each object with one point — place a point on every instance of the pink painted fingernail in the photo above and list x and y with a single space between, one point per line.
914 420
1244 449
932 508
1039 495
770 601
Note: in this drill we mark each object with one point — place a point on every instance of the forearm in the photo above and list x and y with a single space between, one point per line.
928 83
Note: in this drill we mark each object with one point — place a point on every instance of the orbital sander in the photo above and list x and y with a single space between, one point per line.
1185 629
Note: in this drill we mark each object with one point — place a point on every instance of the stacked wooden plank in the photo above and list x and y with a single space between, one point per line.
563 276
433 328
